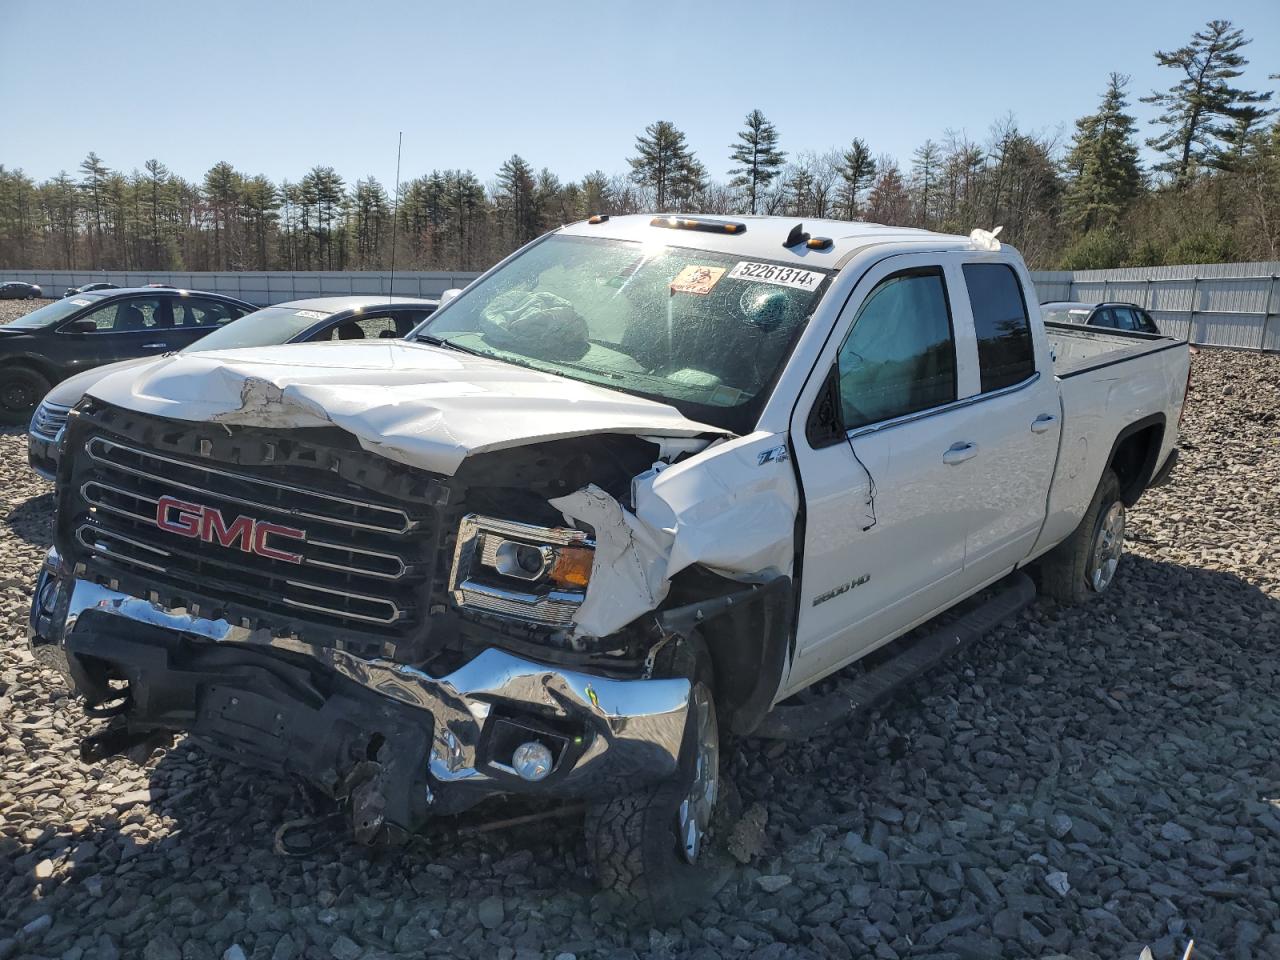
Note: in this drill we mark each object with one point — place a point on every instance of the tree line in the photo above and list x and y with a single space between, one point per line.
1084 202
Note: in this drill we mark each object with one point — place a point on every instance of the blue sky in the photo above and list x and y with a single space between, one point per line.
276 87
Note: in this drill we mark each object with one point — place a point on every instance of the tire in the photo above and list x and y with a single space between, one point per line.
21 390
636 843
1085 564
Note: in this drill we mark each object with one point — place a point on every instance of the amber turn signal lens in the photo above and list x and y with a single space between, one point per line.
572 566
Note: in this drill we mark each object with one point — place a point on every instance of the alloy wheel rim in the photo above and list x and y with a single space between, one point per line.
1107 548
699 803
16 397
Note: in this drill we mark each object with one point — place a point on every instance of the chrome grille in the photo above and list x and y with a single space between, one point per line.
359 562
49 419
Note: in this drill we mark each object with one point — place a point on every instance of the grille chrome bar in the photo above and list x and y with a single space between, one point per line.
405 526
347 614
97 546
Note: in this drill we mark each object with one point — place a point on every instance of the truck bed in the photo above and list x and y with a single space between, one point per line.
1077 349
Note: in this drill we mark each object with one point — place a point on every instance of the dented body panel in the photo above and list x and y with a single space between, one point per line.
461 555
410 402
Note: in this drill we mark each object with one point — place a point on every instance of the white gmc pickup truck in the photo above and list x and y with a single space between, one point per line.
643 481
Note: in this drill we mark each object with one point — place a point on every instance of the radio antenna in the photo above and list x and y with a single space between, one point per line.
395 209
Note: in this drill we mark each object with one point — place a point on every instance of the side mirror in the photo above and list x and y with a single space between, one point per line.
82 326
448 295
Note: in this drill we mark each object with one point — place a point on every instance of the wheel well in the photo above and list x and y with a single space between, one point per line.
29 364
1133 459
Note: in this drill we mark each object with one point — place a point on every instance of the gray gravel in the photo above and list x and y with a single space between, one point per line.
1083 782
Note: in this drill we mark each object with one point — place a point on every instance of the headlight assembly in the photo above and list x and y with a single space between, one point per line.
535 574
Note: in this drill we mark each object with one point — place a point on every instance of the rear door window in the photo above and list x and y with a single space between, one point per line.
900 356
199 312
1006 354
1127 319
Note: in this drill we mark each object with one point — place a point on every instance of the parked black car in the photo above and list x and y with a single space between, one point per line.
59 339
299 321
90 287
1112 314
17 290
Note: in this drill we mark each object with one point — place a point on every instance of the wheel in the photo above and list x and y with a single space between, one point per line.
649 848
1085 563
20 390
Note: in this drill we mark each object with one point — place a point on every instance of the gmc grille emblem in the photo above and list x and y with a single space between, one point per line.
200 522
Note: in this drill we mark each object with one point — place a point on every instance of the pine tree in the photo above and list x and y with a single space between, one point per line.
857 170
757 155
1103 162
516 202
597 193
664 164
924 171
1201 110
93 185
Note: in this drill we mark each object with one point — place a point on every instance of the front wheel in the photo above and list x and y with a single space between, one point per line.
1085 563
650 847
20 390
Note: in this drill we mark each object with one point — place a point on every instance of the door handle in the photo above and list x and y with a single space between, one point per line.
959 453
154 346
1043 422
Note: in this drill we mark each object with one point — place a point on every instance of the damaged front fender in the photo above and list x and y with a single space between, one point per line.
730 509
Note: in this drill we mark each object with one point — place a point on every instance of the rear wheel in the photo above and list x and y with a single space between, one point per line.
1085 563
20 390
650 848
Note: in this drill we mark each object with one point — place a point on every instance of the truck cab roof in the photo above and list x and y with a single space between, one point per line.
763 237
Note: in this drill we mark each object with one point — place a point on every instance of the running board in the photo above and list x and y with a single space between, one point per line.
804 720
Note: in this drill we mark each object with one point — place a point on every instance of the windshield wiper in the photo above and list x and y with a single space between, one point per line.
447 344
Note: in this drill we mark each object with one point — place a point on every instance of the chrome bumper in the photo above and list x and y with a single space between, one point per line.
631 730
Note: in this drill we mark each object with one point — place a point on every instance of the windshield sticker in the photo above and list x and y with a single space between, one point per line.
725 396
82 303
772 273
310 314
696 279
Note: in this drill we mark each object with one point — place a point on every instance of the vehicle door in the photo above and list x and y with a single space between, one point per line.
196 316
1017 423
124 328
883 455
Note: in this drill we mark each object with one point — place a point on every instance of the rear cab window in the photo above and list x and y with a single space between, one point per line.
1006 352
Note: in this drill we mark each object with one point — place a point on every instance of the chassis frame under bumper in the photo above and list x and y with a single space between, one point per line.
432 744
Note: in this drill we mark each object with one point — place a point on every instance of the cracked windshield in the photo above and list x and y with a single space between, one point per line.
706 332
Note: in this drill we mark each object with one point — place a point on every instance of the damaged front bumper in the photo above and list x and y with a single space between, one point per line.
387 736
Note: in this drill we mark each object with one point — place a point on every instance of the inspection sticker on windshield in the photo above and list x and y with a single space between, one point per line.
696 279
310 314
773 273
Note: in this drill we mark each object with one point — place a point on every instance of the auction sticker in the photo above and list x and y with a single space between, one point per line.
310 314
82 303
696 279
774 273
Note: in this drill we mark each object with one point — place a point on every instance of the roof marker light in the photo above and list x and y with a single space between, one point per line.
598 218
703 224
819 243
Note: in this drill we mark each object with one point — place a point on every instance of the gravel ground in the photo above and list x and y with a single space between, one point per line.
1083 782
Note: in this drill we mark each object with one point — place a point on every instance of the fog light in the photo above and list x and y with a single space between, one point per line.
531 760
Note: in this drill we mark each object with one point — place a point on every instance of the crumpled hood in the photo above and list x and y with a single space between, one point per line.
425 406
